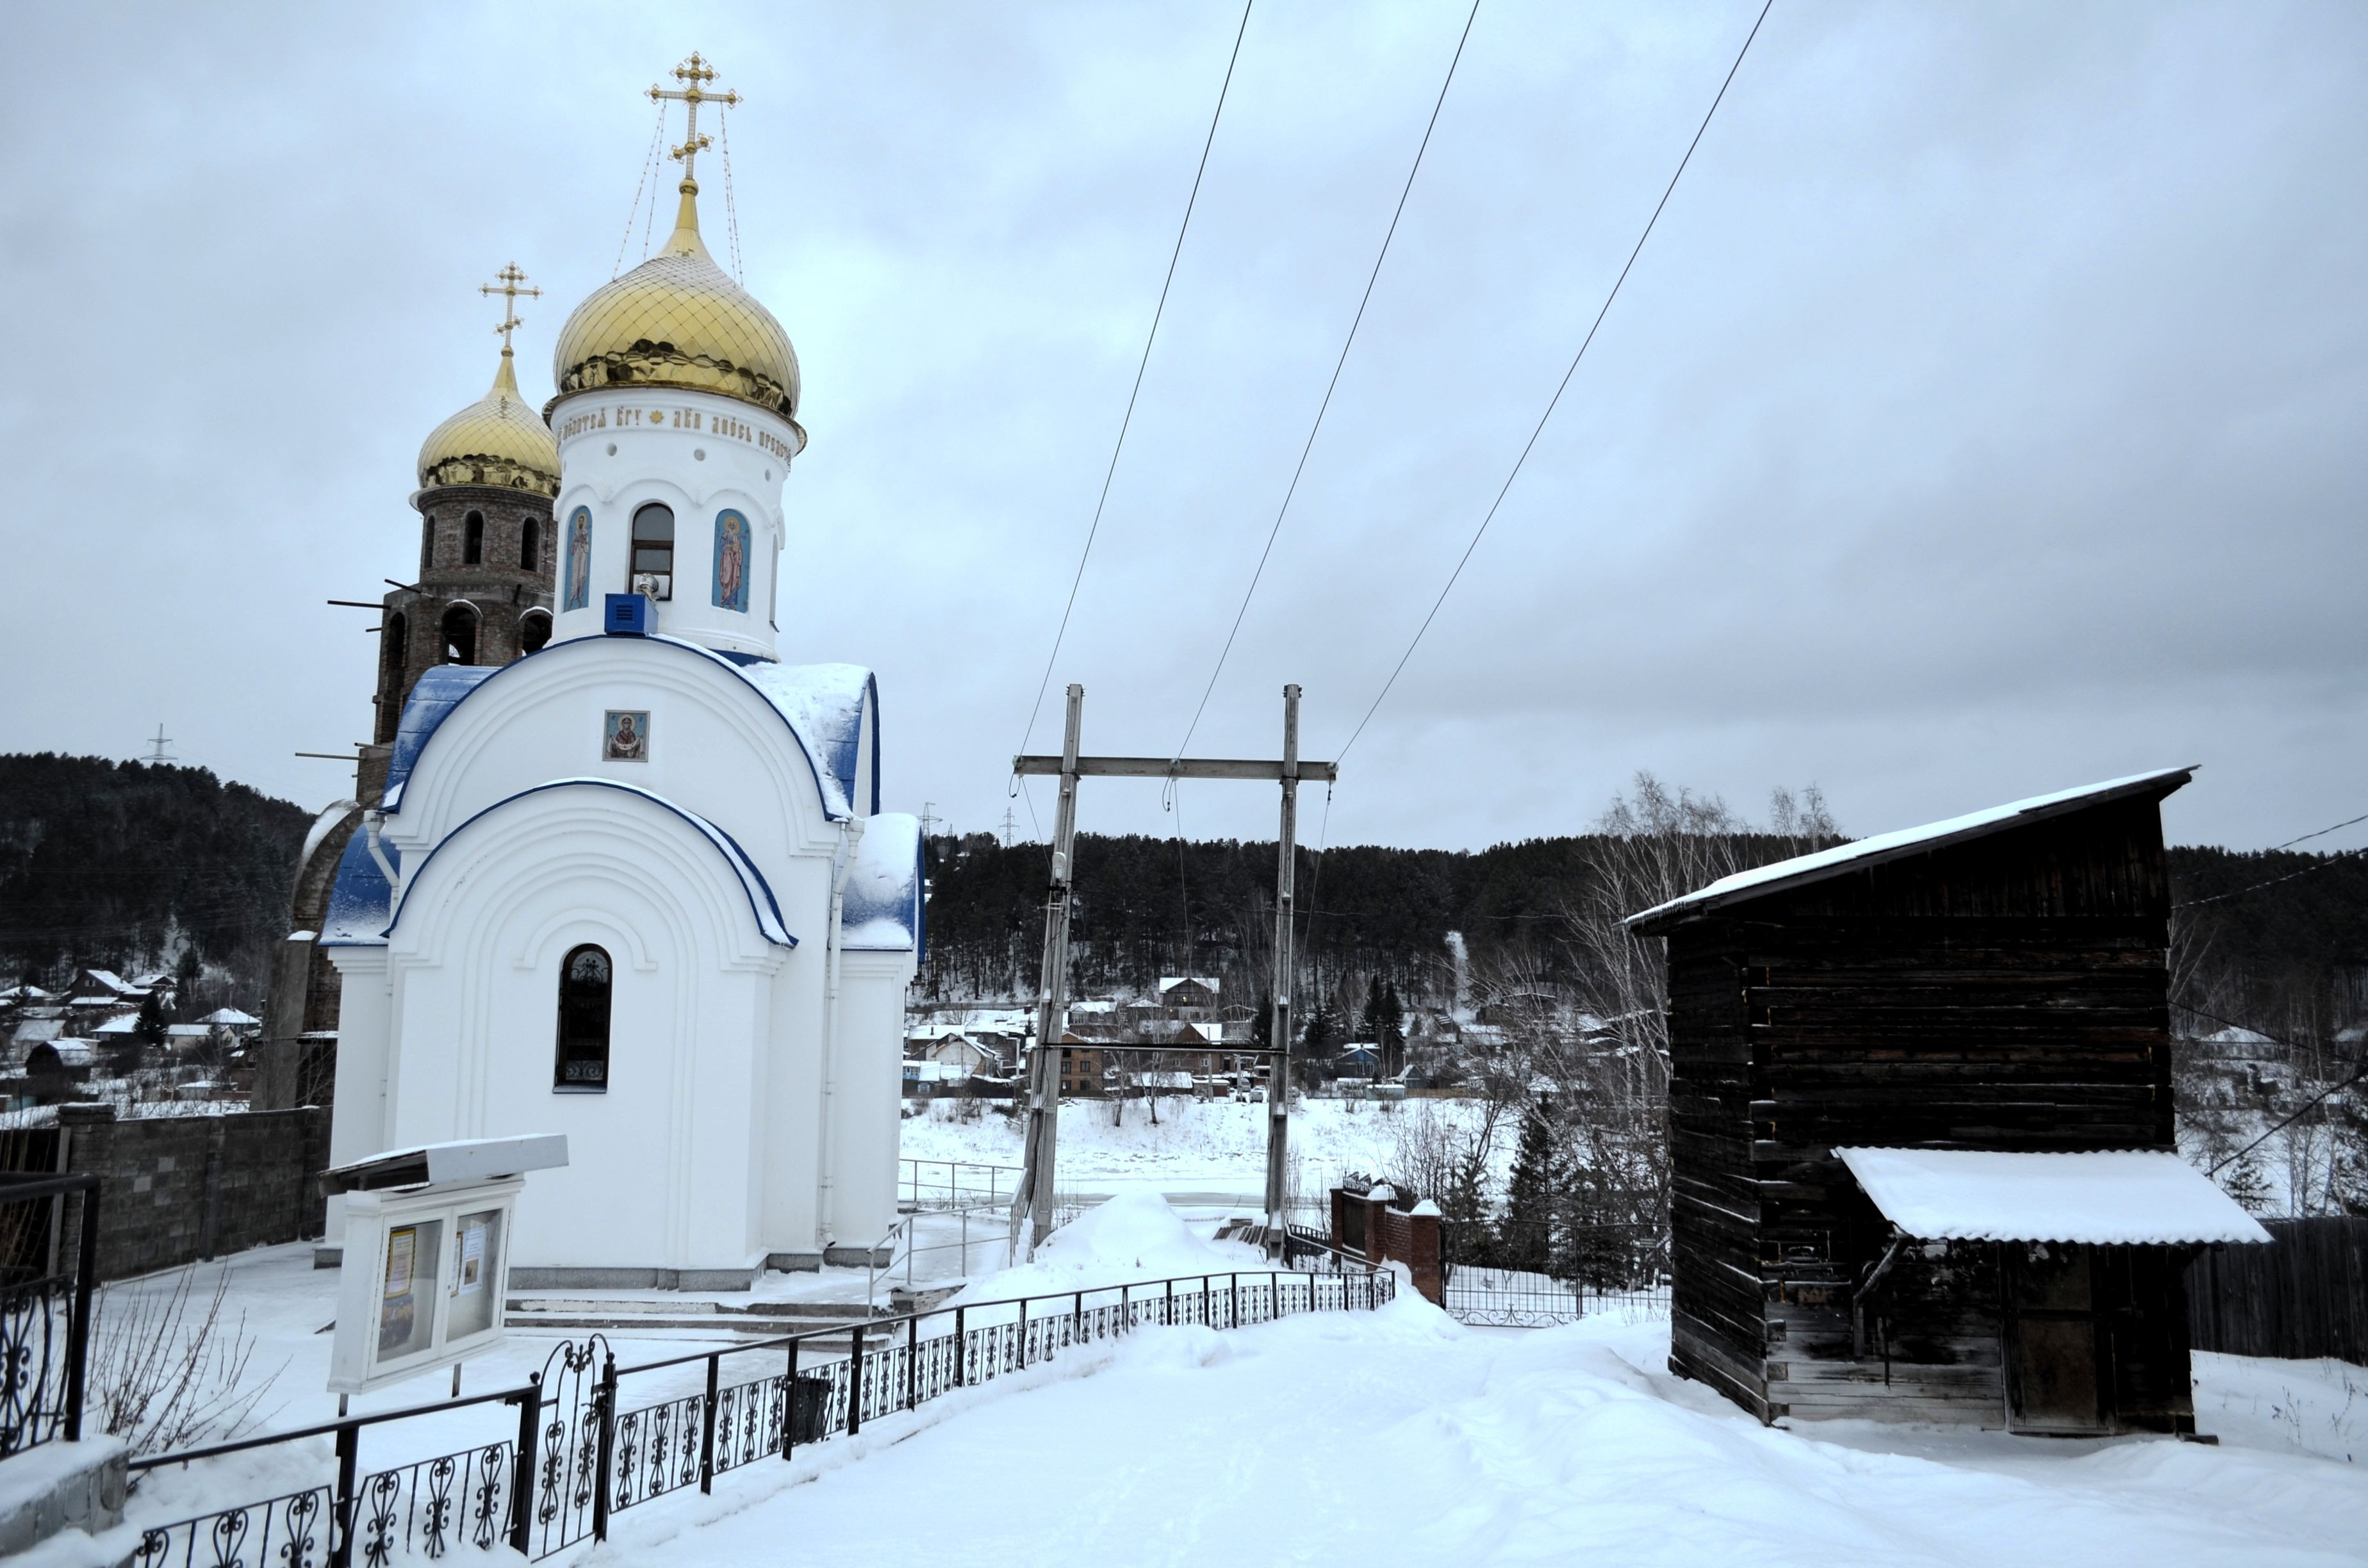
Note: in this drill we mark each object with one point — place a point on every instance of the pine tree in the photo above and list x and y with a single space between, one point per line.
2246 1184
1525 1233
1391 1036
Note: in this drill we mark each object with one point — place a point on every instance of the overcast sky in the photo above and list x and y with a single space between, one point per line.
1985 416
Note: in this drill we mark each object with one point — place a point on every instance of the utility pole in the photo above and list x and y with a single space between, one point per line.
1278 1078
1034 1199
1037 1179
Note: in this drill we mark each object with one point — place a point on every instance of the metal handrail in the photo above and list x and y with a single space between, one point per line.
31 1187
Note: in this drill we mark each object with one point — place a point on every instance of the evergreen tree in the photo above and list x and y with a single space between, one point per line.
152 1020
2245 1183
1323 1033
1525 1233
1391 1036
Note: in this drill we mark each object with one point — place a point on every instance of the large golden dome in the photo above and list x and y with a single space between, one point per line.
678 320
498 440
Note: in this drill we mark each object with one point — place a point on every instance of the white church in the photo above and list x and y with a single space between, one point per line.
631 885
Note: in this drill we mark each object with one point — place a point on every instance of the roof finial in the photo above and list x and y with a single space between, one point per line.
691 72
506 283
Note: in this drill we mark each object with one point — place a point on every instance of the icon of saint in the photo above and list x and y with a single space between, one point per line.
625 741
579 562
730 563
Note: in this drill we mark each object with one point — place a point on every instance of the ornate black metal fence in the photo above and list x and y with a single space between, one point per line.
579 1454
44 1307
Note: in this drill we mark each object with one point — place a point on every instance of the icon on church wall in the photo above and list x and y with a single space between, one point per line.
579 559
626 736
731 561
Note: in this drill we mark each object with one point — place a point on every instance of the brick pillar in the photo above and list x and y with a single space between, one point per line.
1422 1254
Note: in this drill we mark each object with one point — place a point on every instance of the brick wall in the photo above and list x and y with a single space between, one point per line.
178 1188
1386 1233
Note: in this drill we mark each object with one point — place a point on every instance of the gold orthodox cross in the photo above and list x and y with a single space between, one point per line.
506 284
691 72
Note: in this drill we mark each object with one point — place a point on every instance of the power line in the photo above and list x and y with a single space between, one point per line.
1333 385
2256 887
1565 385
2322 833
1128 419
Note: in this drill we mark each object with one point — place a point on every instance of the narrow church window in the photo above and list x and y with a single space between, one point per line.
472 541
653 572
530 546
460 634
583 1022
534 630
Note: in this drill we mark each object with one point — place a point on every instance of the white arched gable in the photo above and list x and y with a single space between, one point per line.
767 786
520 876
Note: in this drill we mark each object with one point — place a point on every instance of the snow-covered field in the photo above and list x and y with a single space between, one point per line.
1214 1147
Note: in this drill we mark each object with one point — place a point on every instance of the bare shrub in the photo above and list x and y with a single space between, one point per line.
167 1371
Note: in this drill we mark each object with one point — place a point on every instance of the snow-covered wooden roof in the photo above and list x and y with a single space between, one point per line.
2117 1197
1844 859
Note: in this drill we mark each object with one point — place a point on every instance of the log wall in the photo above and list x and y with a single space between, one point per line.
2008 993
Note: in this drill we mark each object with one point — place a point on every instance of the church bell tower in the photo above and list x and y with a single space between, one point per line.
488 478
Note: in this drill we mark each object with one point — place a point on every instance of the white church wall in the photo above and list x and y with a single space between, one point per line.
869 1097
792 1170
699 454
665 1181
714 746
357 1126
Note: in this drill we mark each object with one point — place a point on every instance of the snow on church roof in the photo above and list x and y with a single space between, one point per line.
822 704
362 900
2118 1198
1847 858
885 894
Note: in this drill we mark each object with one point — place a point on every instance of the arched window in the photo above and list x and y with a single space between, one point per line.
534 630
427 544
393 648
472 540
583 1064
460 634
530 546
652 568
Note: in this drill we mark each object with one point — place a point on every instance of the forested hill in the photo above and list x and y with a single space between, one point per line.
1147 908
121 864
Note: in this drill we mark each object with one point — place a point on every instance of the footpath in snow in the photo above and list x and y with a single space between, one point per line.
1401 1437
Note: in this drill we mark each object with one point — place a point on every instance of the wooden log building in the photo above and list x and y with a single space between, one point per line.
1973 1011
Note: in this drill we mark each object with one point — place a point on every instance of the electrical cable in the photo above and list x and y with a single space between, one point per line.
1551 402
2340 854
1333 385
1128 419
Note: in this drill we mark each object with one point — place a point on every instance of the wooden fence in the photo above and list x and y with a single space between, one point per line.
2305 1295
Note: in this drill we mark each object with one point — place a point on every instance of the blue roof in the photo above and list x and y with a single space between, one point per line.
822 705
360 900
885 910
436 693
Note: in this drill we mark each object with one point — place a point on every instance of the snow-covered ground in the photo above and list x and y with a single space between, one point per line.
1214 1148
1401 1437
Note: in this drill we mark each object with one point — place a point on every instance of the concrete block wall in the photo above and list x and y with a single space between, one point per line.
180 1188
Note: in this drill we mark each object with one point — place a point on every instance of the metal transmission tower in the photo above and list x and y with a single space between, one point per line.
157 755
1011 827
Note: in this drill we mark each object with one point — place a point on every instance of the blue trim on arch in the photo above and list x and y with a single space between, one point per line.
444 687
752 880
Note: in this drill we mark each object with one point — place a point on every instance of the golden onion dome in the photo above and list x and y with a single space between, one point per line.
498 441
678 320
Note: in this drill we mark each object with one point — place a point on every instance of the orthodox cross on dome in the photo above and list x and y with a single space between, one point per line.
506 284
692 74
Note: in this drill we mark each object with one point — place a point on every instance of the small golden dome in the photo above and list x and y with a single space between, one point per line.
498 440
678 320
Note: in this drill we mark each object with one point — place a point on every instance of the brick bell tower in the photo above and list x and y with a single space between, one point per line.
487 550
488 478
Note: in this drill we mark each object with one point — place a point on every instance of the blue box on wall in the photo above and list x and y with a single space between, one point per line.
628 616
